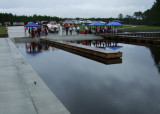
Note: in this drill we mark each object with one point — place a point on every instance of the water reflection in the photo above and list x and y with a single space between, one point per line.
96 43
86 54
156 56
104 44
33 47
88 87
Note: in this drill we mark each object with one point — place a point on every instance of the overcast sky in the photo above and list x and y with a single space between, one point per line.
75 8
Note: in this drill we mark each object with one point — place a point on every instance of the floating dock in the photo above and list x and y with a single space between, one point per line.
140 38
101 55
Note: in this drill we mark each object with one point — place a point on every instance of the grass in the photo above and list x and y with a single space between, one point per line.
3 30
140 27
134 27
80 26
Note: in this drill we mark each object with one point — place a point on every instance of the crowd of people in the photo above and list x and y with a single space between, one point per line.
37 31
70 28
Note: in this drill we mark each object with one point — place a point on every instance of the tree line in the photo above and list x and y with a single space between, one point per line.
149 17
8 17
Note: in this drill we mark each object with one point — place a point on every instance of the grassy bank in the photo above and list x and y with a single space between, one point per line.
134 27
3 30
139 27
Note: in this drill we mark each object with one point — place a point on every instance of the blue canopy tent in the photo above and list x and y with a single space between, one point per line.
32 25
96 23
114 23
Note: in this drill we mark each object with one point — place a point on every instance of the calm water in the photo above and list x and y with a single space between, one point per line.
85 86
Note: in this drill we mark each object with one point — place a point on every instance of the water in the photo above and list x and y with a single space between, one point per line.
85 86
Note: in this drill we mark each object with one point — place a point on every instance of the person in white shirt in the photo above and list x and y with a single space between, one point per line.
78 30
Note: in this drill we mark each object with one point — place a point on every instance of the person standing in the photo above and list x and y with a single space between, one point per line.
6 29
75 25
78 30
113 30
83 25
74 29
38 32
116 29
105 29
89 30
70 29
86 30
46 31
63 29
100 29
32 33
96 29
67 30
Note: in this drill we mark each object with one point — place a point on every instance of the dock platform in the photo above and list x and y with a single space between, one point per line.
107 54
145 39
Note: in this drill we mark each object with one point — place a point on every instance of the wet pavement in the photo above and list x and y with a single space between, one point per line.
20 32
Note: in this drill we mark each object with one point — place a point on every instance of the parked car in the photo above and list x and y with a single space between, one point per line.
60 22
80 22
53 27
44 23
38 23
102 22
87 21
7 23
18 23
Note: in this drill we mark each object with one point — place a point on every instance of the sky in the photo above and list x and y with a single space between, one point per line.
75 8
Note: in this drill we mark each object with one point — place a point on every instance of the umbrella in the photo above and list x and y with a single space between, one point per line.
32 25
114 23
96 23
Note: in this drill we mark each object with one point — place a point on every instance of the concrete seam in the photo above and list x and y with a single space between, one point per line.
26 88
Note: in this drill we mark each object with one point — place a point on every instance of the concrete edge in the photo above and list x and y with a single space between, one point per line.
25 39
45 102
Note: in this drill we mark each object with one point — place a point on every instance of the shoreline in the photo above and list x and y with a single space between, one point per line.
4 35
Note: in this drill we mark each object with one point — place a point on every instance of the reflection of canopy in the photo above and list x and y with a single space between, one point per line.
96 23
114 47
114 23
32 25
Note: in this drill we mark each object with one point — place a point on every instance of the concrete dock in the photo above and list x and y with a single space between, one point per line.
22 91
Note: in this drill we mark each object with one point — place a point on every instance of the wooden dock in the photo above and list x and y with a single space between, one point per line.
140 38
141 34
100 55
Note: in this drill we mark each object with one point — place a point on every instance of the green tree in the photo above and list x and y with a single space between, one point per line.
152 16
138 15
120 16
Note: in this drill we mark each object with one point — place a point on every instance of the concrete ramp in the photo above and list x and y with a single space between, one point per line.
22 91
